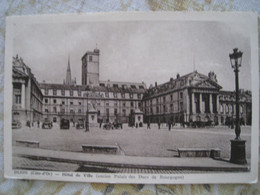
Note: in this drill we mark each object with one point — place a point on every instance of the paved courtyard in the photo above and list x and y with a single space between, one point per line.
145 142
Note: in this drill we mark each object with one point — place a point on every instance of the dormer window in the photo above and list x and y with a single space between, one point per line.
54 91
46 91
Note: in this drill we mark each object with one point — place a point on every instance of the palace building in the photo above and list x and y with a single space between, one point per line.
193 97
184 99
27 96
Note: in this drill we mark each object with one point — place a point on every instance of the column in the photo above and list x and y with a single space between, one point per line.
210 104
188 102
201 110
23 96
193 108
217 103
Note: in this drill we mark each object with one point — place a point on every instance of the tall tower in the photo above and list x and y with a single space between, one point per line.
90 68
68 74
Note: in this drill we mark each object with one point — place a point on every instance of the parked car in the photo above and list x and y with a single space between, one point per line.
64 124
16 124
47 124
80 124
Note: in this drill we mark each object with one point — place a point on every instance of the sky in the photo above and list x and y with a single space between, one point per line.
135 51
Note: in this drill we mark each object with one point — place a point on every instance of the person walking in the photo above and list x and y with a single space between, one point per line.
159 124
169 125
100 122
148 124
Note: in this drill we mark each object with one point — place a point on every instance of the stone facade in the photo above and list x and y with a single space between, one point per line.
192 98
27 96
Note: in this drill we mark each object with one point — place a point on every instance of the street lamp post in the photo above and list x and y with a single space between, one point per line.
238 151
87 121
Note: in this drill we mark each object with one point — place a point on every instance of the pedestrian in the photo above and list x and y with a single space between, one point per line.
38 122
159 124
169 125
100 122
148 124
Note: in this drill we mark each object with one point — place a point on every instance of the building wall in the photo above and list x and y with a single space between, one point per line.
73 105
27 97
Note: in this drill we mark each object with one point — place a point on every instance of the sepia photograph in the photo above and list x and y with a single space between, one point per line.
135 97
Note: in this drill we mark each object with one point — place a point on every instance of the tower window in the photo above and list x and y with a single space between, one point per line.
90 58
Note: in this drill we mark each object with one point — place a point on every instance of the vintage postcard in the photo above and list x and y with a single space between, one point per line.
157 97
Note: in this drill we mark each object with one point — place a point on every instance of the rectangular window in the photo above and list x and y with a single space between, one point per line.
63 102
115 112
62 92
46 110
181 95
131 95
79 93
115 95
171 97
90 58
107 94
123 95
18 99
164 99
124 112
54 91
107 104
79 103
79 111
132 104
46 101
124 104
71 103
54 109
71 92
54 101
139 96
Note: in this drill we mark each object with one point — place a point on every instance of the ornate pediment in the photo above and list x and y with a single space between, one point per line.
207 84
